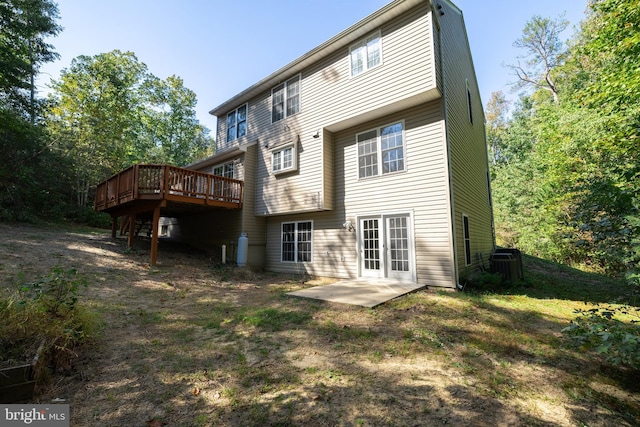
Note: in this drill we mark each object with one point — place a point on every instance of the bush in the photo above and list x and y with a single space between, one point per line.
598 329
45 311
484 282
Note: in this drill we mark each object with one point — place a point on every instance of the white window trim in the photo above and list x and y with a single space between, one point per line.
294 158
366 68
226 123
296 242
379 152
232 163
468 256
285 85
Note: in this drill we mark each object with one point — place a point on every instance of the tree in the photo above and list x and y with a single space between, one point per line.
109 112
541 42
24 26
32 176
572 192
496 116
174 134
95 115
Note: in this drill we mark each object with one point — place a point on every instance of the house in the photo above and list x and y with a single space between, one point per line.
365 157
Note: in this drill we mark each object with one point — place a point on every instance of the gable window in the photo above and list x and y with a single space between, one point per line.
467 240
381 151
285 99
297 241
284 159
237 123
366 54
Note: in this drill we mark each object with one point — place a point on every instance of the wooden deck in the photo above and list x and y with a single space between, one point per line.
152 190
153 183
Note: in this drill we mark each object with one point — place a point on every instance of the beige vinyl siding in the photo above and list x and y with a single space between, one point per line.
253 226
421 190
333 247
406 72
331 100
467 143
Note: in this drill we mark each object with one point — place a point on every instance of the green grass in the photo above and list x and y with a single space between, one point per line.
256 356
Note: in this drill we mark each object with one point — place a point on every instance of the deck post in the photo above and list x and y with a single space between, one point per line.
114 226
154 236
132 229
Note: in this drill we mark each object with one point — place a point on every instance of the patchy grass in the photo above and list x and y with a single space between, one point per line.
193 344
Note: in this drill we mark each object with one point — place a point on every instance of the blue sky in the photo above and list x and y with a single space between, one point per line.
221 47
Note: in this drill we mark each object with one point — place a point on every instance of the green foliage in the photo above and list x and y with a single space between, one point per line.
543 53
24 26
598 329
47 310
566 184
109 112
33 180
56 293
484 282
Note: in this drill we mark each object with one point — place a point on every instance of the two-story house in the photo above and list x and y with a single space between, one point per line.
365 157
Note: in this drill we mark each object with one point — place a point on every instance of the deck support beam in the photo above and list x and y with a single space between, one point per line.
132 229
154 236
114 226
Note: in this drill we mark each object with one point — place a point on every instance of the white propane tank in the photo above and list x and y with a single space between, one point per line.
243 248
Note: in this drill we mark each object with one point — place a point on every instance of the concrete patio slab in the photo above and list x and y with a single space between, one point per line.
363 292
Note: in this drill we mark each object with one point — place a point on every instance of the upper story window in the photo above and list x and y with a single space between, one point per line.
366 54
237 123
284 159
285 99
381 151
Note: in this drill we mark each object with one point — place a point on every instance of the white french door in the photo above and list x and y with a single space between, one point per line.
386 246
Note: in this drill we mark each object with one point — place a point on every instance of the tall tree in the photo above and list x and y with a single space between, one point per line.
24 26
543 52
96 114
496 113
109 112
32 177
173 133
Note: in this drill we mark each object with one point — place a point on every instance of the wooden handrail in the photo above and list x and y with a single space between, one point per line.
157 182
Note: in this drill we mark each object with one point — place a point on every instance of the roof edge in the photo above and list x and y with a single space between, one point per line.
351 34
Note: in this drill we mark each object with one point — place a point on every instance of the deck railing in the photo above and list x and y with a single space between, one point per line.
157 182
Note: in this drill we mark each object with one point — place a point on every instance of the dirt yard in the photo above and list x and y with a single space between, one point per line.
192 343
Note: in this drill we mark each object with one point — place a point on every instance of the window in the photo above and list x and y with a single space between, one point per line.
227 170
381 151
467 240
285 99
284 159
366 54
297 240
469 102
237 123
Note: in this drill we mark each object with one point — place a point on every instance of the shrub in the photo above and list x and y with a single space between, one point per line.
616 340
45 311
484 282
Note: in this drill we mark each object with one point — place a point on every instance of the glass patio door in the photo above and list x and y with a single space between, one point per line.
386 247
